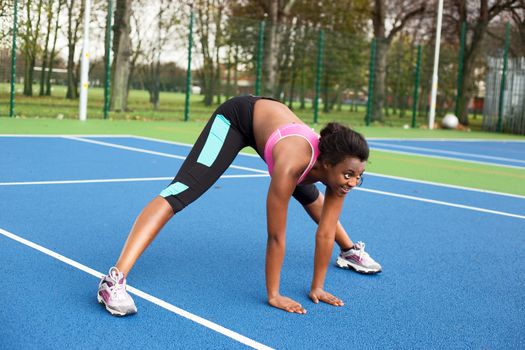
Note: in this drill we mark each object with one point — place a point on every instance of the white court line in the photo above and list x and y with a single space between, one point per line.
448 204
266 173
392 194
183 144
192 317
438 139
463 188
447 152
152 152
61 136
443 139
447 158
375 174
137 179
258 170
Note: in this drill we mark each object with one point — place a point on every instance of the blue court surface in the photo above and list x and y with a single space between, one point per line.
453 258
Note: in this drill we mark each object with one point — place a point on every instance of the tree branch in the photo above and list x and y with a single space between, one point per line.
405 19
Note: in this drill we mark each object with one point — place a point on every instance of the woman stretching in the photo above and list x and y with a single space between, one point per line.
297 158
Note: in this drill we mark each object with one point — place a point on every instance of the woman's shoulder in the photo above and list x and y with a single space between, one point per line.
293 153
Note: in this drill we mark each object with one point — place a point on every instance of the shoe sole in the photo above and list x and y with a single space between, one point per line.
110 310
344 264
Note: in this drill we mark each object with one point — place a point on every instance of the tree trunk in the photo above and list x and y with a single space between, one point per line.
28 76
326 98
71 91
270 54
228 74
471 55
72 37
379 80
52 55
302 93
278 11
31 43
204 15
46 47
292 86
208 84
218 75
120 68
235 71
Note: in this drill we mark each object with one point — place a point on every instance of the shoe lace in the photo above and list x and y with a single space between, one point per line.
114 275
362 254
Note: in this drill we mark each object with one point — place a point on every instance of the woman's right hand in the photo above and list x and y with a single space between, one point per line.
286 304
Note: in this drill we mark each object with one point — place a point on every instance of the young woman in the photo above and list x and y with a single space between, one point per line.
296 157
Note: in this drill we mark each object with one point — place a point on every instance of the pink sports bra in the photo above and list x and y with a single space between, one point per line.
301 130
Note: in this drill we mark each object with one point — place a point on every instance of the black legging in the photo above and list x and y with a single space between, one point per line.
228 131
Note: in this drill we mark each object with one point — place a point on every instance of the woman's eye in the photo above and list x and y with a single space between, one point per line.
348 176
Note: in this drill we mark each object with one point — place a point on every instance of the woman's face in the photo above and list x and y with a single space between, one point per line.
345 175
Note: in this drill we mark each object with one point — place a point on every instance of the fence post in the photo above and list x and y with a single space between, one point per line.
84 64
416 87
13 62
188 73
107 60
371 82
503 77
318 77
260 48
460 65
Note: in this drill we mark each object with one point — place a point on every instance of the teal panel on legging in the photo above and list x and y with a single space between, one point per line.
174 189
215 140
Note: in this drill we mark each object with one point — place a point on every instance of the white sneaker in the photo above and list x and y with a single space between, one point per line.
358 260
112 293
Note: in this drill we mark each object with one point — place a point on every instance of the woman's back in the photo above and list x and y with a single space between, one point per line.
268 116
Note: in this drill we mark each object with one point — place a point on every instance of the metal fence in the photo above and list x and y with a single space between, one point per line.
320 73
504 108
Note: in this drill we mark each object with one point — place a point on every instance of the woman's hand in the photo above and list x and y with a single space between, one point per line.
286 304
318 294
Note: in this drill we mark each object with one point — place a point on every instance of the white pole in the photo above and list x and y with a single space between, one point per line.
436 64
84 64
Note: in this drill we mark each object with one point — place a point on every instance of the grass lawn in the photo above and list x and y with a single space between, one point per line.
171 108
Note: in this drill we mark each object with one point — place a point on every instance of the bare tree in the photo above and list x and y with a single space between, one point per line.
209 21
30 44
477 15
518 17
149 45
5 24
53 53
120 68
45 54
278 12
74 19
138 33
398 14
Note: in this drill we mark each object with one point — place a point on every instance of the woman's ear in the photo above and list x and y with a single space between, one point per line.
325 165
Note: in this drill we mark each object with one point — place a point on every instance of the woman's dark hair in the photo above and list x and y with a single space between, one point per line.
338 142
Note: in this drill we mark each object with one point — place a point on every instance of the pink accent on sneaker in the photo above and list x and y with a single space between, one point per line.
354 257
104 294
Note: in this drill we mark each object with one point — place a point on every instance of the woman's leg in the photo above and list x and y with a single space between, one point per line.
146 227
315 208
213 152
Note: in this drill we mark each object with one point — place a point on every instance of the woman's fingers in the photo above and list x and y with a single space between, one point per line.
332 300
321 295
287 304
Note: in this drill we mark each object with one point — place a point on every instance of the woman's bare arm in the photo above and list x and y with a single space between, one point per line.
286 172
324 242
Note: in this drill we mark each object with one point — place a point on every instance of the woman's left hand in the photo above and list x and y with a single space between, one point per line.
319 294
